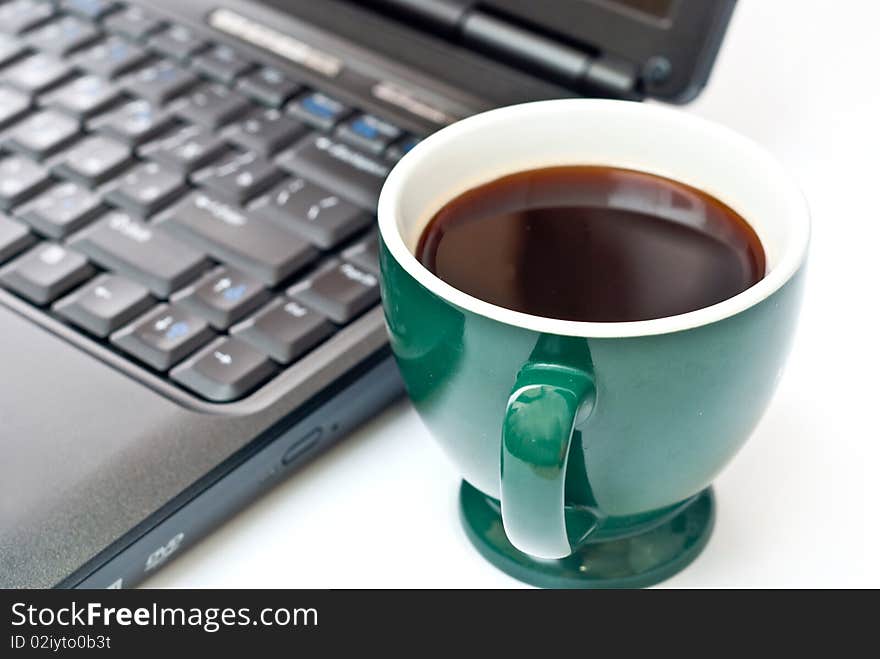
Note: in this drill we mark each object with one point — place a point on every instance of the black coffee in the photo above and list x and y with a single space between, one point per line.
592 243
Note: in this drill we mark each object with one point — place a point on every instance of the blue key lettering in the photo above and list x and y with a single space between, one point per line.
177 330
235 293
311 105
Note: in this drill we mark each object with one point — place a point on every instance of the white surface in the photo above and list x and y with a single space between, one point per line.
794 508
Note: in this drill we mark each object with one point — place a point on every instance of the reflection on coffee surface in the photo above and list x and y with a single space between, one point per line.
592 244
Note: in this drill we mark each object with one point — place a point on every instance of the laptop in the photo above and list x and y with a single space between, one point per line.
188 271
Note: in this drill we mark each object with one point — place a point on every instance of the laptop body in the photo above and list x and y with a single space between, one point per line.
188 283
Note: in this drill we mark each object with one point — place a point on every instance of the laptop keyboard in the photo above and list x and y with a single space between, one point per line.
209 217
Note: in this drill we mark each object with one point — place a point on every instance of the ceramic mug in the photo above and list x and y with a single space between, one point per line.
587 449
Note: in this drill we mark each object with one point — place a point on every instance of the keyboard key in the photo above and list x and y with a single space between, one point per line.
62 36
364 254
142 252
111 58
319 110
231 235
84 96
134 22
311 211
45 272
339 167
61 210
268 86
223 296
105 304
94 160
284 330
147 188
10 48
266 132
222 64
93 9
340 291
163 337
400 148
177 42
212 106
20 178
14 238
225 370
13 105
43 133
20 15
368 132
186 150
133 123
36 73
160 82
238 176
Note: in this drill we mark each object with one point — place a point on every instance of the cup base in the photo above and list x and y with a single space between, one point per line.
635 561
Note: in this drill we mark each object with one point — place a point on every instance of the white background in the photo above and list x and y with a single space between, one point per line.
797 507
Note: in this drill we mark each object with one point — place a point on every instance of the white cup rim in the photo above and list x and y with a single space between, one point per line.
790 257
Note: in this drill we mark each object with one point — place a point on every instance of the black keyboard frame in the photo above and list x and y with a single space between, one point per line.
121 361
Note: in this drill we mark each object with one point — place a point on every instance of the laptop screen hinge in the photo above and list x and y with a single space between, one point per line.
583 70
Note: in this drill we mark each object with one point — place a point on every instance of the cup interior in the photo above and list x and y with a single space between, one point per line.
638 136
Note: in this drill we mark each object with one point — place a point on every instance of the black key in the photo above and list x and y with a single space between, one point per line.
284 330
36 73
133 123
43 133
340 291
368 132
63 35
266 132
93 9
45 272
225 370
401 147
221 63
212 106
223 296
230 235
14 238
94 160
319 110
339 167
268 86
111 57
20 178
186 150
147 188
10 48
178 42
105 304
13 105
364 254
84 96
313 212
141 252
238 176
61 210
160 82
134 22
20 15
163 337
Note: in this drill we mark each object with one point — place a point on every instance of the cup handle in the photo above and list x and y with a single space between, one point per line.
544 405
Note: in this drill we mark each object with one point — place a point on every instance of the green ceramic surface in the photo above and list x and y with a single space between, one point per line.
654 418
587 449
636 561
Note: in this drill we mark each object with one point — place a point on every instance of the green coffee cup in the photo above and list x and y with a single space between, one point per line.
587 449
